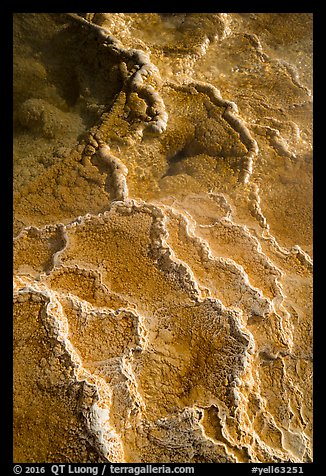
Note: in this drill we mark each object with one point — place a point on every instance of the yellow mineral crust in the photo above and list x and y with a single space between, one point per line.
47 394
163 238
35 250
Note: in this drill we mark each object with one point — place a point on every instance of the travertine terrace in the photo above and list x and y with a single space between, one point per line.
162 237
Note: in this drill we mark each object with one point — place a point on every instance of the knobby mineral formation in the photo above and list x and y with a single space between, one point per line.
163 237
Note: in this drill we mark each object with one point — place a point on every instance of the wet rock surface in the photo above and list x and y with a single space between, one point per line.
163 237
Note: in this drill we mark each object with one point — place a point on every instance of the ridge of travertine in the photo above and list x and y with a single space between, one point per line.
161 252
140 68
95 413
264 57
110 443
165 257
259 303
231 116
167 260
234 424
